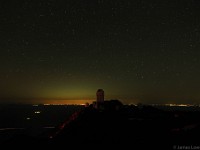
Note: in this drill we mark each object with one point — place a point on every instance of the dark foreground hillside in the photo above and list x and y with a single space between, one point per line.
125 126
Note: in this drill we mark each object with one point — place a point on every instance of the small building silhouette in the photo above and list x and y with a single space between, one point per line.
100 96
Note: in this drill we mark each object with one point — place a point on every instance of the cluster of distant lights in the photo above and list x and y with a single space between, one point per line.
38 112
181 105
172 105
58 104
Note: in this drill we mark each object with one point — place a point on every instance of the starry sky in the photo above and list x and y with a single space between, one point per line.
136 50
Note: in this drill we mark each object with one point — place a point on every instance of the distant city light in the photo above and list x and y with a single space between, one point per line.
47 104
28 118
37 112
180 105
62 104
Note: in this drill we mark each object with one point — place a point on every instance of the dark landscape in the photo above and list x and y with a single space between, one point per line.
115 124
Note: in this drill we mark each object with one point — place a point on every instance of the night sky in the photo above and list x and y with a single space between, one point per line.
136 50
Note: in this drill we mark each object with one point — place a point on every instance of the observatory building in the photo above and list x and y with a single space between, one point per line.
100 96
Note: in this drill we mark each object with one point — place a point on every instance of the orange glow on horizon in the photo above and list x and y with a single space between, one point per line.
66 102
